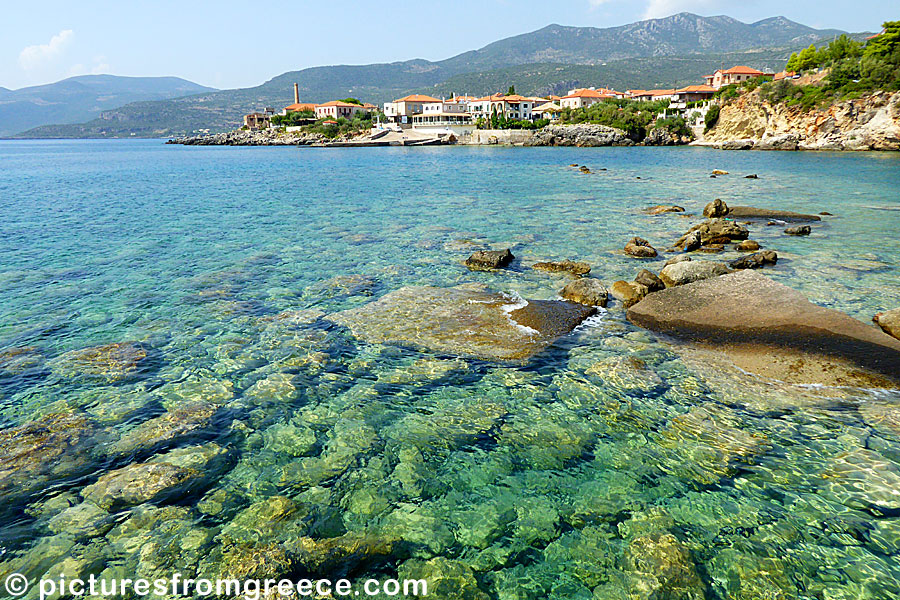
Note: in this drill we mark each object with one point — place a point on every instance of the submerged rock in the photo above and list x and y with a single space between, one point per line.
768 328
447 579
799 230
639 248
566 266
682 273
464 322
660 209
172 425
755 261
666 567
336 557
42 452
164 477
489 259
889 322
747 246
716 208
112 362
749 212
585 290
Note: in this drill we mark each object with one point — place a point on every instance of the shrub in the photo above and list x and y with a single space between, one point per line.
711 118
675 126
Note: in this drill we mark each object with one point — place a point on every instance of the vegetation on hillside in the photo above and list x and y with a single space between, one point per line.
632 117
501 122
852 69
293 118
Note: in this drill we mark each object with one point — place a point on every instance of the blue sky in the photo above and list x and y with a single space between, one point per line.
230 43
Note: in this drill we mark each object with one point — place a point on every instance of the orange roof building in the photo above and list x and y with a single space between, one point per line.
736 74
338 108
300 107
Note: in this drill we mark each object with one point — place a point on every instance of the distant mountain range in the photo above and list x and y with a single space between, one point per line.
676 50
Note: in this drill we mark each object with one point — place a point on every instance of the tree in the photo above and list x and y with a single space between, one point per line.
793 63
511 91
352 101
808 59
885 43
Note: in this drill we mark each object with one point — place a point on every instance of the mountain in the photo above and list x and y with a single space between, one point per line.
676 50
84 97
680 34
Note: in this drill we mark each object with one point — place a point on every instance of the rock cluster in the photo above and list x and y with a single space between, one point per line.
576 268
251 138
889 321
582 135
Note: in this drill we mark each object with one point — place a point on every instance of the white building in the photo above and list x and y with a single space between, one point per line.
403 109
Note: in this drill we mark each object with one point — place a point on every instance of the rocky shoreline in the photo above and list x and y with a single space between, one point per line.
871 122
250 138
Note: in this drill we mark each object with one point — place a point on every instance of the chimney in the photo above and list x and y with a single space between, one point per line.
296 94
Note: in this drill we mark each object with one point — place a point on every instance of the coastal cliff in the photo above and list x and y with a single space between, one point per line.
871 122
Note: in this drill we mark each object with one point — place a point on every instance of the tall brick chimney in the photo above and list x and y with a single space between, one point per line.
296 94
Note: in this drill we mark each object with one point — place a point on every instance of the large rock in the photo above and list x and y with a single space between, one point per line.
585 290
755 261
889 321
715 229
489 259
563 266
749 212
799 230
465 322
111 362
682 273
639 248
628 293
649 279
770 329
715 209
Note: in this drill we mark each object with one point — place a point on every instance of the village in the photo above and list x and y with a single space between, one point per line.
420 118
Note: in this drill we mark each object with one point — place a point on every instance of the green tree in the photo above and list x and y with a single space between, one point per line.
793 63
511 91
885 44
808 58
352 101
712 117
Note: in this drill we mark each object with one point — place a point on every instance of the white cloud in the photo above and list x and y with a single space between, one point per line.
38 55
664 8
100 67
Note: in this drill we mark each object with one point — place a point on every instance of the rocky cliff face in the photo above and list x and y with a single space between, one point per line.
868 123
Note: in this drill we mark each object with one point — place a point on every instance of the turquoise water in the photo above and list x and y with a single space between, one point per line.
612 464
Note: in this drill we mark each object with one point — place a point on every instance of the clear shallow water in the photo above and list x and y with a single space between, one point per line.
548 480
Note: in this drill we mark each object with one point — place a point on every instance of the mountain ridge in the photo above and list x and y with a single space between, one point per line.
83 97
674 42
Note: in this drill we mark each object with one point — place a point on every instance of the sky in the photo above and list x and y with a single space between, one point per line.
230 43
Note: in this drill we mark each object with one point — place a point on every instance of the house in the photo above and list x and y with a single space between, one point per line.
510 106
456 122
737 74
257 120
648 95
299 107
402 110
547 110
337 108
583 98
785 75
694 93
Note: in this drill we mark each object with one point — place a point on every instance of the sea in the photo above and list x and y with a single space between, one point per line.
173 397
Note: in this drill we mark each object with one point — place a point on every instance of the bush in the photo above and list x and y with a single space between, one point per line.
711 118
630 116
675 126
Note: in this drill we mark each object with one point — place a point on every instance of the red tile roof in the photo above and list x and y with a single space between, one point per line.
417 98
300 107
742 70
340 103
697 89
